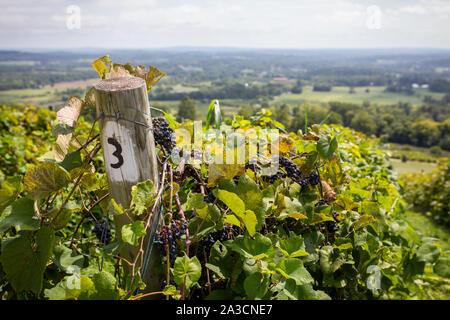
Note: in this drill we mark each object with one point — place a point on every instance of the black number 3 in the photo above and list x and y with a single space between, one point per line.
117 153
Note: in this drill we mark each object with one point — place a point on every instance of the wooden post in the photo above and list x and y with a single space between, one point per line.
128 150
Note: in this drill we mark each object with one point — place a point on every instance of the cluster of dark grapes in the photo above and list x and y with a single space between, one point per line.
291 169
208 240
312 179
163 134
296 175
322 202
168 235
209 197
332 226
274 177
172 282
211 238
102 232
251 165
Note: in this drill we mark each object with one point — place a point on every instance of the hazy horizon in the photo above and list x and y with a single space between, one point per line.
239 24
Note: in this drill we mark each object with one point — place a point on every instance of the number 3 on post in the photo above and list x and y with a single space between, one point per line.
117 153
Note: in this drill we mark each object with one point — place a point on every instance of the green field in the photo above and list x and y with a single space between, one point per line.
37 96
40 97
412 166
375 95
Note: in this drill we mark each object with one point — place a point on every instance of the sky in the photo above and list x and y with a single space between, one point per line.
224 23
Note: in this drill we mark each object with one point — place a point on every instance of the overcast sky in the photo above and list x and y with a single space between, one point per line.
228 23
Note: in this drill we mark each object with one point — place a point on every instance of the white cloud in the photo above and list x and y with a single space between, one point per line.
416 9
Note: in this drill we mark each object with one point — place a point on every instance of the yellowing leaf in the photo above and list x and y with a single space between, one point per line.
153 76
320 217
285 145
102 66
223 171
45 178
232 201
250 221
297 215
344 246
232 219
203 212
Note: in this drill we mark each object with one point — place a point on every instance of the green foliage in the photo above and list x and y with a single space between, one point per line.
429 192
275 236
25 132
187 109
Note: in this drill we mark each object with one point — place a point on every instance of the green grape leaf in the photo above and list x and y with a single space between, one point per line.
10 189
232 201
232 219
294 269
220 260
219 171
71 287
143 196
331 260
319 218
195 201
291 290
105 287
61 129
256 286
249 192
71 161
363 221
131 233
259 248
250 221
60 220
186 268
428 252
20 214
172 291
63 257
442 267
293 246
326 146
24 262
91 181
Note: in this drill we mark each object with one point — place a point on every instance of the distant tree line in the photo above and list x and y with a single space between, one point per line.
425 126
227 91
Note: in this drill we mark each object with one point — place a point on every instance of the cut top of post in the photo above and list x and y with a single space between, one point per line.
118 84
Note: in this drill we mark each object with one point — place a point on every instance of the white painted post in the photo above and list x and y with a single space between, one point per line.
129 151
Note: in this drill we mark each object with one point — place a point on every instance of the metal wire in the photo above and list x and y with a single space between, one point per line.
119 117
